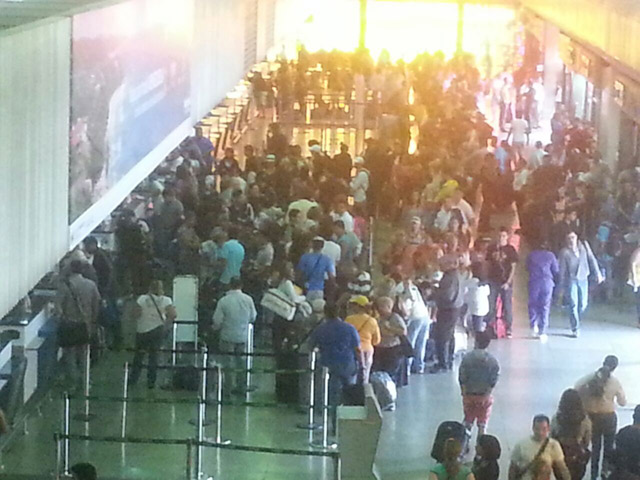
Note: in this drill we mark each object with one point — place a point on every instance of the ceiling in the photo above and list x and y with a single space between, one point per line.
19 12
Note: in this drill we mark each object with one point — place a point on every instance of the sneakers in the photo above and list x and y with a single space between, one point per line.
535 333
575 333
509 334
543 338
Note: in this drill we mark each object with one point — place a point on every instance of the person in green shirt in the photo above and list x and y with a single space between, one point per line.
451 468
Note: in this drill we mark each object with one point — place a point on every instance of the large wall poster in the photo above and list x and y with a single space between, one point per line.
130 91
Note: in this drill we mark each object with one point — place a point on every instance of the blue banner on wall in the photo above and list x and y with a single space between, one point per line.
130 90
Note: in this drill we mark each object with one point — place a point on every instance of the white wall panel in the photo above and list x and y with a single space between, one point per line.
218 57
34 132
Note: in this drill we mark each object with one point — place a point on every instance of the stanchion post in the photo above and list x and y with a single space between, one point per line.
325 411
66 429
249 357
58 455
370 241
86 416
219 397
125 398
337 468
325 406
311 425
174 343
200 437
203 385
189 467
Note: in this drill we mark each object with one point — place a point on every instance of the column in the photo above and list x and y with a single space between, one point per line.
552 67
609 121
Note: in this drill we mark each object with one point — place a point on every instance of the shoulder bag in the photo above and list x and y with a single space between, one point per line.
71 333
528 467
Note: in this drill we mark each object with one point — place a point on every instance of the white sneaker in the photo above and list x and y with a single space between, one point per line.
543 338
535 332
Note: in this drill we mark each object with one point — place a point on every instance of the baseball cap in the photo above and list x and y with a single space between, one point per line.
315 148
358 160
416 220
360 300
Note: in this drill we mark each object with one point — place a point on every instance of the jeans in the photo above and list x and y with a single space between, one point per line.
540 296
418 334
506 295
149 343
233 381
74 364
444 333
367 363
603 432
340 376
577 299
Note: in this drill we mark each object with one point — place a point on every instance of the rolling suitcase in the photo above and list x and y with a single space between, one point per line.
447 430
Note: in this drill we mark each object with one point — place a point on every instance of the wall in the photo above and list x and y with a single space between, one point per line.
612 26
218 55
34 129
34 132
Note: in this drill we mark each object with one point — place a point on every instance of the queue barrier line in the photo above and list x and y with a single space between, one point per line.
189 401
198 352
66 438
235 370
206 443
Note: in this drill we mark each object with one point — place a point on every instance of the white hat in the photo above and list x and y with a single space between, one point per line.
358 161
315 148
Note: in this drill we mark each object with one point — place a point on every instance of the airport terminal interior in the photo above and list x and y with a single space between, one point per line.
319 239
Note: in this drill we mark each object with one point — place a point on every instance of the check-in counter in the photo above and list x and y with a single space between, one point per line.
358 434
34 340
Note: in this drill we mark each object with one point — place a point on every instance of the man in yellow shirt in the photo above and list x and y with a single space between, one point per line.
367 328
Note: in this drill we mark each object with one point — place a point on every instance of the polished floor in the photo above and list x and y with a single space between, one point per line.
533 377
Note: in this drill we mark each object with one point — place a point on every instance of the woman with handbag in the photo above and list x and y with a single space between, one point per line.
571 426
154 312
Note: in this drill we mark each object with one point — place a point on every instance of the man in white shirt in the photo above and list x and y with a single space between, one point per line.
341 213
332 250
458 201
519 131
535 159
360 183
538 453
153 312
234 312
444 215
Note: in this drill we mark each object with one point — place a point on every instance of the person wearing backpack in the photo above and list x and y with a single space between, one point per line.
599 392
571 426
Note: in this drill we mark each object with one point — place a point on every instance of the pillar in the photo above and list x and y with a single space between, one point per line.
362 44
609 121
460 32
552 66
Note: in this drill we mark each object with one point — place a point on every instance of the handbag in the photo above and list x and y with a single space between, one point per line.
72 333
277 302
405 348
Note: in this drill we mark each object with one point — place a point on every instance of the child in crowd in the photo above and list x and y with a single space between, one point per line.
477 297
485 463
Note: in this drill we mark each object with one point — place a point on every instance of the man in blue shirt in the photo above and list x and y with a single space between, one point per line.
313 268
230 255
337 342
205 146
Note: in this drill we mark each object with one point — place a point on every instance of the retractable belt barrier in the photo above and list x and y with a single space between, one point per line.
63 444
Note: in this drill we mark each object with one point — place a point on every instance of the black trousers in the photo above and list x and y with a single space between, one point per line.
603 434
444 335
149 343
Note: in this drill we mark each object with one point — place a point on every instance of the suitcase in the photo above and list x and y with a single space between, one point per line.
447 430
186 377
288 384
353 395
385 390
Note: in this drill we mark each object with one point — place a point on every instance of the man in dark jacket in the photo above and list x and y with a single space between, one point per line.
478 376
449 299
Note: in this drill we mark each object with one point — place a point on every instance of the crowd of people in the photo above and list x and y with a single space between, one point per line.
281 239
